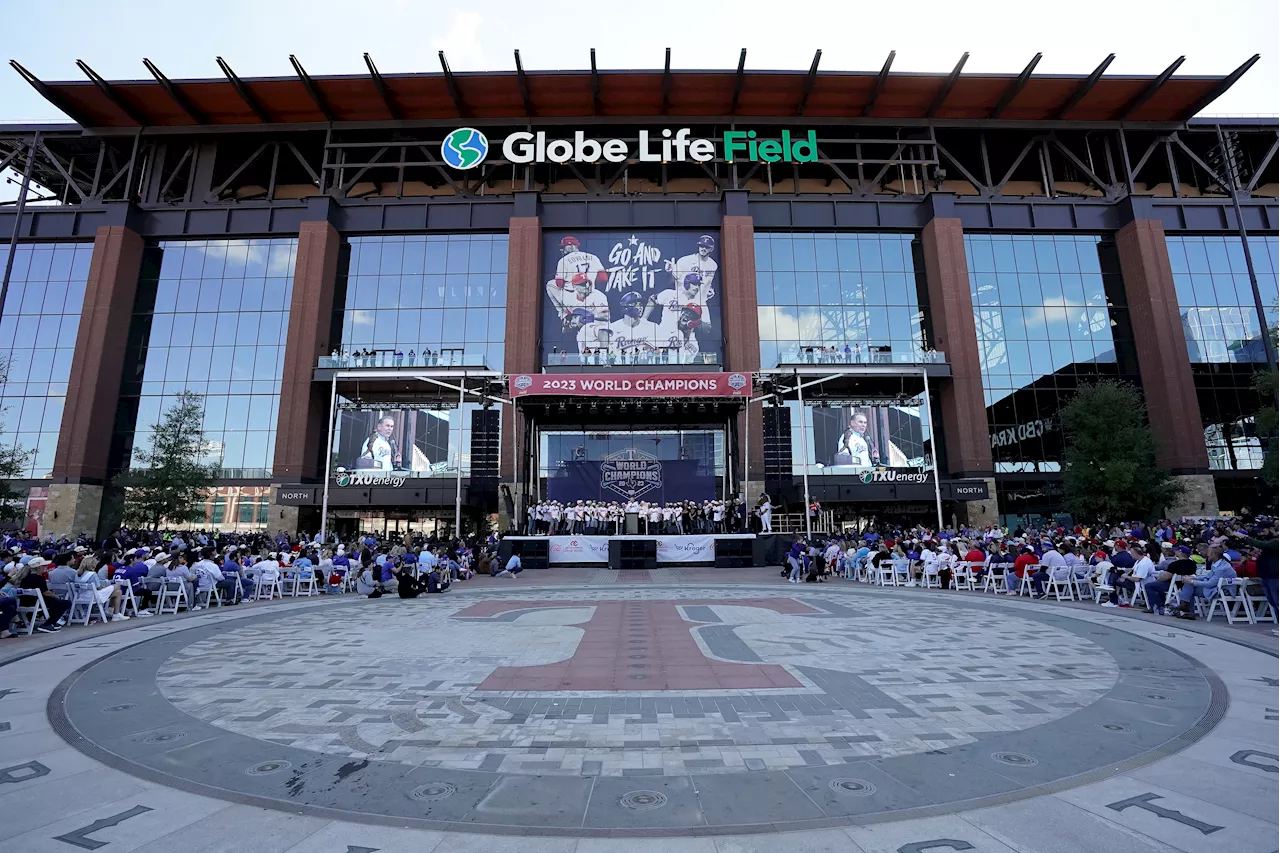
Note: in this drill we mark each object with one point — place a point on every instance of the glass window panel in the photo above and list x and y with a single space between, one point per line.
391 257
454 325
414 259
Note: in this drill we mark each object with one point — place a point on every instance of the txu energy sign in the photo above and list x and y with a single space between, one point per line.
462 146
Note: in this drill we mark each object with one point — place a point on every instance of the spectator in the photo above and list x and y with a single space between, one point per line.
1206 586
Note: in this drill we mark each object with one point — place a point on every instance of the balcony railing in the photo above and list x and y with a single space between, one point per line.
657 358
387 359
861 354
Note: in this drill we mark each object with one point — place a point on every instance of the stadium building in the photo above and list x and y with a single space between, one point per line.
412 299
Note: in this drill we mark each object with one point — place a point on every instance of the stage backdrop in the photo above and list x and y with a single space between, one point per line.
636 295
632 475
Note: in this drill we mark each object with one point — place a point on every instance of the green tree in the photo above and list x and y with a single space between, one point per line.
1265 423
170 481
14 461
1110 470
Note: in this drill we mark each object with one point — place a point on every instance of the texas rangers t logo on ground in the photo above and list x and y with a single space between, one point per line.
464 148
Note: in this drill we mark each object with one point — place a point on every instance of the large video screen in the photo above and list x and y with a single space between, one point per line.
852 437
631 297
390 440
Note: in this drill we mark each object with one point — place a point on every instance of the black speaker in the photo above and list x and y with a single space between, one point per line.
633 554
534 553
734 553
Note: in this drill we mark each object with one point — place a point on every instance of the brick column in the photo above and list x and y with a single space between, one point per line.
740 317
961 413
303 419
1163 362
93 388
524 327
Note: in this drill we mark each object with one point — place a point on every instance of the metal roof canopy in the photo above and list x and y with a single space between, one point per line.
450 95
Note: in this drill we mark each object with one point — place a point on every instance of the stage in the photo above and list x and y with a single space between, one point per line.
610 551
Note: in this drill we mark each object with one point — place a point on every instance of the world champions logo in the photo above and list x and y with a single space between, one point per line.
631 473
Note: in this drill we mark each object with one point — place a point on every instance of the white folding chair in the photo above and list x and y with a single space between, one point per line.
128 601
1083 584
1140 592
1062 589
33 614
963 578
994 581
211 597
301 582
84 603
268 589
1025 587
1230 599
173 595
1260 610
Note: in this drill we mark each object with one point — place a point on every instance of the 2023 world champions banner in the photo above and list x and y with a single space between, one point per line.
631 297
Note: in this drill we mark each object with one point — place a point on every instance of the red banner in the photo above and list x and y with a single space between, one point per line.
631 384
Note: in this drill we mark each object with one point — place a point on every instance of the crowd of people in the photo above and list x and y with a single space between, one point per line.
201 567
393 358
1191 558
608 518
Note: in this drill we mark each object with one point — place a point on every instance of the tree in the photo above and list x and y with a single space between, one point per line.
1110 470
171 483
1265 423
14 461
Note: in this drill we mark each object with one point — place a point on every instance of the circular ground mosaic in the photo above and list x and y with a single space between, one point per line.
539 708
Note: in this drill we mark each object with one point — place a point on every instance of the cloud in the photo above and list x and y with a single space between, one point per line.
461 42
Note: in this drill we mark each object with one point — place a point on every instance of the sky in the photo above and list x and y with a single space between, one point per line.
329 37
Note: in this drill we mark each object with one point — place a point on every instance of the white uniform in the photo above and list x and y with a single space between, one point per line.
704 268
561 289
857 448
669 336
380 452
673 299
625 336
589 333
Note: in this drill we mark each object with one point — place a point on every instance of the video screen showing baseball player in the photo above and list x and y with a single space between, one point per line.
852 438
631 298
391 440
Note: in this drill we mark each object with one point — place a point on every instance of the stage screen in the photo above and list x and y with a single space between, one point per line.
631 297
855 437
388 440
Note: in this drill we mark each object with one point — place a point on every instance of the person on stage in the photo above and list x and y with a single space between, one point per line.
764 510
379 451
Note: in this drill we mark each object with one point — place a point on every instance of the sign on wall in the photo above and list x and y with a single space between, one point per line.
631 297
631 384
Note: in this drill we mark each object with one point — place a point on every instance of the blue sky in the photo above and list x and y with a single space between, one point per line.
256 38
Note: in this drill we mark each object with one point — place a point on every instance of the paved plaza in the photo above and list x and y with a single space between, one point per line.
605 712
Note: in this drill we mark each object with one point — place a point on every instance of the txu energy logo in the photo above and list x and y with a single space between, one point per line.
464 148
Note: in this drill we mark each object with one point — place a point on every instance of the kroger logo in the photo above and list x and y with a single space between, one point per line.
523 382
464 148
737 381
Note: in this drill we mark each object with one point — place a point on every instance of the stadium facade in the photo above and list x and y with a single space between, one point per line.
417 297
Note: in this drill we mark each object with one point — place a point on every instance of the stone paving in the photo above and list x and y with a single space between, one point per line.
1109 733
726 683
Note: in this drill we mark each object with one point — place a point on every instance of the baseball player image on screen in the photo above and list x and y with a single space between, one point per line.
586 313
701 265
678 332
631 333
573 262
671 300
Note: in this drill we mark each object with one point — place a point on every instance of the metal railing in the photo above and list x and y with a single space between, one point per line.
657 358
861 354
387 359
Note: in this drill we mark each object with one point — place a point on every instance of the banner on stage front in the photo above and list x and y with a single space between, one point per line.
578 549
632 384
595 549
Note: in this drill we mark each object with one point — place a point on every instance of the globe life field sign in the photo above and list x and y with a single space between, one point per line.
466 147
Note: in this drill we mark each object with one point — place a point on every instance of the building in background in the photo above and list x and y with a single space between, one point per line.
400 294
